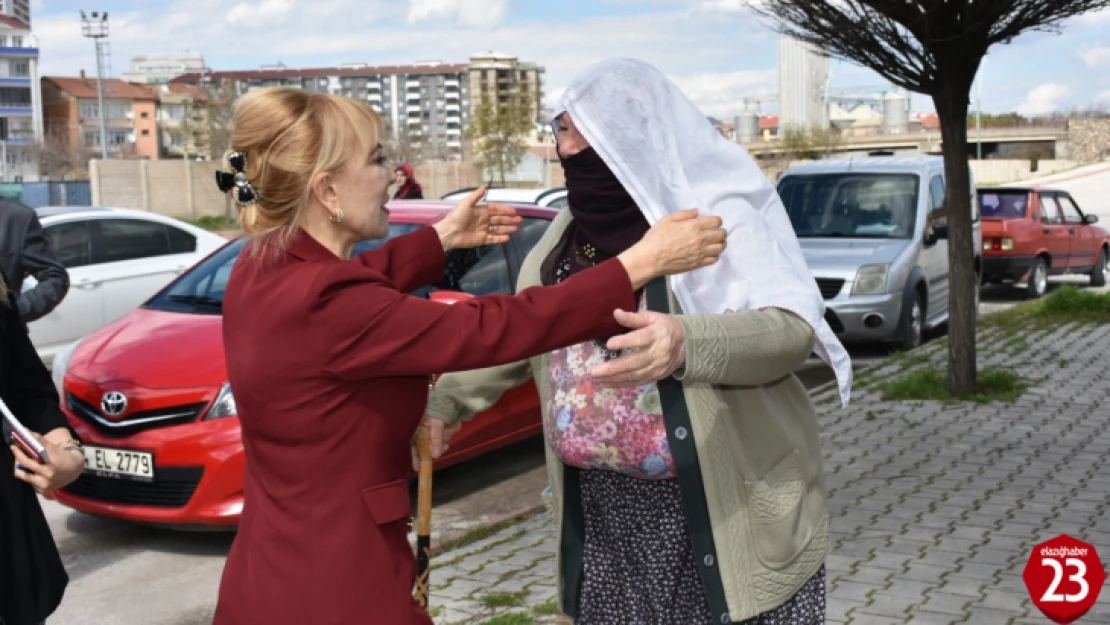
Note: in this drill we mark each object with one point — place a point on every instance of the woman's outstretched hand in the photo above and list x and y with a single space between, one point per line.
678 243
473 224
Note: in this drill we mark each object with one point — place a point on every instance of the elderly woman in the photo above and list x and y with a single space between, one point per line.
683 455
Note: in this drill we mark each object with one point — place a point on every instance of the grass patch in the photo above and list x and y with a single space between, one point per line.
503 599
546 608
931 383
214 223
514 618
1064 305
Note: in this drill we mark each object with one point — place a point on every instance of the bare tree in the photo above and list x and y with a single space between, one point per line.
56 157
401 149
932 47
216 108
498 130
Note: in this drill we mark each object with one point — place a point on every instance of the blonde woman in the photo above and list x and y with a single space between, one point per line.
330 360
32 578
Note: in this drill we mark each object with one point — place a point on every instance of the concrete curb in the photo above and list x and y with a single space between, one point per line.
504 520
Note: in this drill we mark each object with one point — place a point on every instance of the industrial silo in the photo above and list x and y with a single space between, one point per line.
747 127
896 113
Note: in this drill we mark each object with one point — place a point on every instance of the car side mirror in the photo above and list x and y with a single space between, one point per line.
940 231
1090 219
450 297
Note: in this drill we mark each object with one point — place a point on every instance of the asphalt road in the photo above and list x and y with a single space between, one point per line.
125 574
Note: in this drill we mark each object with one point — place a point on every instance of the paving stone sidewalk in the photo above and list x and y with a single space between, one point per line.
935 508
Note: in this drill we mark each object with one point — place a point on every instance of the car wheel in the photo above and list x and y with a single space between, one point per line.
914 321
1038 279
1102 267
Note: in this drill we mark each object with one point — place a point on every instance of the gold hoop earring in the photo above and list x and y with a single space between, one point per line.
337 216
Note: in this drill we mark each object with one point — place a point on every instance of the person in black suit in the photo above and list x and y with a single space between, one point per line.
32 578
25 251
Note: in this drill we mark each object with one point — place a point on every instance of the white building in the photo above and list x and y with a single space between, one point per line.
162 68
803 76
20 93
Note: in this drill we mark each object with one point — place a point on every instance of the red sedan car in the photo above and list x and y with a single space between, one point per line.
148 395
1032 233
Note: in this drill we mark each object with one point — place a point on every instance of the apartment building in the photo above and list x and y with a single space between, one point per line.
72 112
20 97
425 105
502 76
183 130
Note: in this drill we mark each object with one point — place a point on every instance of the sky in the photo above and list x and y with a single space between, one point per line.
715 50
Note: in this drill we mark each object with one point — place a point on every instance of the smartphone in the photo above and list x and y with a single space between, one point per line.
23 438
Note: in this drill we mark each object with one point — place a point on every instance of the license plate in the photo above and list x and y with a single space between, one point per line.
119 463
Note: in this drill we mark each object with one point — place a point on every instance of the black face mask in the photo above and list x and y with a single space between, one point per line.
605 215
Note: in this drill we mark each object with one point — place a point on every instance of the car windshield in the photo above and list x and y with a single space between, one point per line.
873 206
201 289
1003 204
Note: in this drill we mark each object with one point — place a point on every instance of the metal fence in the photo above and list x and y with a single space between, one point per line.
53 193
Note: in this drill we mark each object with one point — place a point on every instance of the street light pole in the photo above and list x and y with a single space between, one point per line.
979 112
95 27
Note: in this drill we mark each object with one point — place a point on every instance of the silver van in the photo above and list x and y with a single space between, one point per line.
875 235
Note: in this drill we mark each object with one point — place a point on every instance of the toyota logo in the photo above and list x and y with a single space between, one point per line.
114 403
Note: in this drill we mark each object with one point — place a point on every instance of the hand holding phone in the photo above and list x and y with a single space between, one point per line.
24 438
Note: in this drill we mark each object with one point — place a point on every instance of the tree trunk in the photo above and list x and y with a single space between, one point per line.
951 104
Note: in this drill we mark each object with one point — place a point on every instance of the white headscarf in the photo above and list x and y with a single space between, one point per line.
669 157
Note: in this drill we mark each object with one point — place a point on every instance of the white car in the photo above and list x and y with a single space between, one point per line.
548 198
116 259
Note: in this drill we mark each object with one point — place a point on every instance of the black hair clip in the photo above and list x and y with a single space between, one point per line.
244 194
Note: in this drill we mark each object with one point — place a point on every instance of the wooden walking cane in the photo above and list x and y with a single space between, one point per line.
423 515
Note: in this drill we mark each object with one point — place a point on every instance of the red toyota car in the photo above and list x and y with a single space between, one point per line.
149 397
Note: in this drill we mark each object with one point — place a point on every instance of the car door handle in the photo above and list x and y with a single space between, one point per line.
1071 230
1047 231
87 285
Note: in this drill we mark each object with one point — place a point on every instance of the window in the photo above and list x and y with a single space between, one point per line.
1051 210
129 239
144 115
90 110
3 41
937 213
530 233
15 97
71 242
17 42
560 203
1071 212
880 206
21 69
117 136
1004 204
181 242
478 271
117 110
174 111
92 138
146 132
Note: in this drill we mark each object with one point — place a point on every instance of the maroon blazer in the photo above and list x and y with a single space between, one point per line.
329 361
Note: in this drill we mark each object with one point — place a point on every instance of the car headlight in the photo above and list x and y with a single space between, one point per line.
870 280
224 406
61 364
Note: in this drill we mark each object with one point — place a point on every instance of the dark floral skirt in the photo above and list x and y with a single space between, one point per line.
639 564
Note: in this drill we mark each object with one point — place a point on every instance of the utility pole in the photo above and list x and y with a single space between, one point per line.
95 27
979 112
